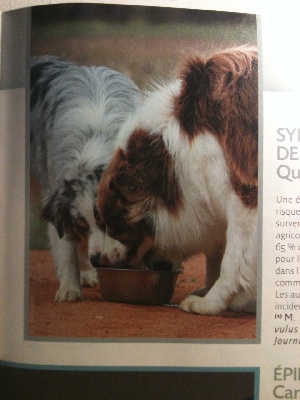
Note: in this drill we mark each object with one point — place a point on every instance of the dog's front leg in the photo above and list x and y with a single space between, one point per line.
218 297
88 274
67 267
238 268
213 265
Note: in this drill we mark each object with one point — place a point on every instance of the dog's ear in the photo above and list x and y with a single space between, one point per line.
57 208
50 214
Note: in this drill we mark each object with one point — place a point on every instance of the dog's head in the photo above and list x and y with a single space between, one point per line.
72 209
139 179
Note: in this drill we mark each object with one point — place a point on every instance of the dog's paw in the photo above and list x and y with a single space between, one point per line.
89 277
68 294
201 305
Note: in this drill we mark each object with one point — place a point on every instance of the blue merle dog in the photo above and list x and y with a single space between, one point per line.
75 115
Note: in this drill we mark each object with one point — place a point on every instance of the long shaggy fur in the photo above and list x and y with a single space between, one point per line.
76 113
183 179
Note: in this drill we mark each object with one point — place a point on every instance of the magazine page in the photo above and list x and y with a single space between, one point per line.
149 191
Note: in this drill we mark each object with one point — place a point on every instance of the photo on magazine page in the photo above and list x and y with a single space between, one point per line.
143 173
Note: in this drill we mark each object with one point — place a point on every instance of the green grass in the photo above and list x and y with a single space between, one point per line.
38 228
139 28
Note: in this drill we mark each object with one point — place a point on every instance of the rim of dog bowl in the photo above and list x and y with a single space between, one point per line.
151 271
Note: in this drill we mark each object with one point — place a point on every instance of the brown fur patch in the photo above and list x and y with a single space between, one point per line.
221 95
133 184
152 168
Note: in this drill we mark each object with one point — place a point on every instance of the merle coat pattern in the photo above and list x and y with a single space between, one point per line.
76 113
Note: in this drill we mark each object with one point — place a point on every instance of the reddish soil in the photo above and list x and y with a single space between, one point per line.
95 318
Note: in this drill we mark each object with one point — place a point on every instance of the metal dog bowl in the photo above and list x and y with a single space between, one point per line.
137 286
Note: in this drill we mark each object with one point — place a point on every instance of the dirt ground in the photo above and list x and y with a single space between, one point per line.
95 318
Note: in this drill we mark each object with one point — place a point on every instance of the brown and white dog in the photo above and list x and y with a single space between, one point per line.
184 179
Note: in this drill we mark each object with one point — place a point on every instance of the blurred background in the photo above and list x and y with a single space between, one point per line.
145 43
